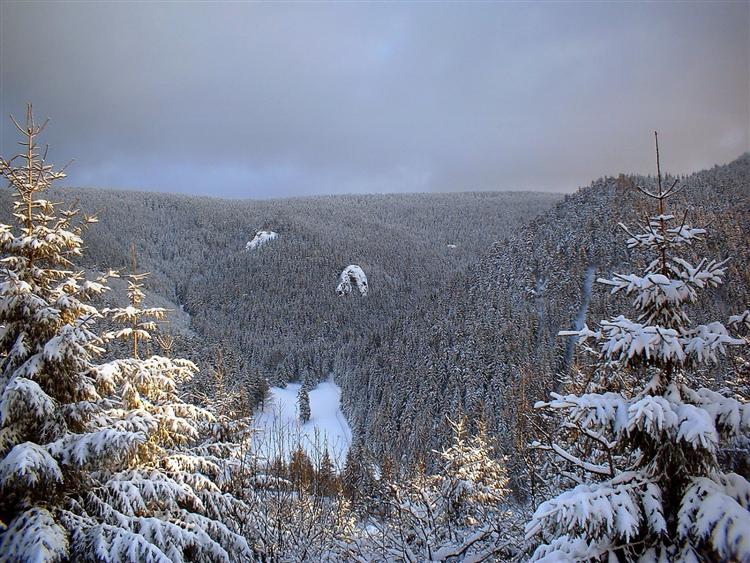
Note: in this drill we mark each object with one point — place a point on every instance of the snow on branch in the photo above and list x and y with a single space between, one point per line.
26 397
83 449
29 464
714 513
614 507
34 535
743 319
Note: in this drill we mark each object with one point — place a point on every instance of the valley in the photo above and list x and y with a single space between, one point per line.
278 430
375 282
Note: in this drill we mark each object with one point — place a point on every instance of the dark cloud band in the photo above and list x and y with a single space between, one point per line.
260 100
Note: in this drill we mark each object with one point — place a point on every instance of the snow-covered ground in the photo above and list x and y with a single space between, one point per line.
279 430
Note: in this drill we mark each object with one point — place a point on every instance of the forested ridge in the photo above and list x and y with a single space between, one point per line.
468 292
469 350
274 310
504 408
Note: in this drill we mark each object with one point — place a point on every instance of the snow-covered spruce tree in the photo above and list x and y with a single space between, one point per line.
303 403
454 515
736 453
206 450
655 490
231 408
91 460
139 323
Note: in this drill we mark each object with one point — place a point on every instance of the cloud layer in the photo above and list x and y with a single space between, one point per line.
264 100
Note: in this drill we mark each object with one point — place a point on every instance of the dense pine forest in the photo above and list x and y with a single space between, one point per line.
514 392
489 346
272 311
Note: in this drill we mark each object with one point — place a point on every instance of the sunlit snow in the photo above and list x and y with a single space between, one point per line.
260 238
279 429
352 276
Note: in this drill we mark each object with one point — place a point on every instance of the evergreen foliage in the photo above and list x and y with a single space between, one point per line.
643 441
326 481
357 478
303 403
464 350
275 309
95 458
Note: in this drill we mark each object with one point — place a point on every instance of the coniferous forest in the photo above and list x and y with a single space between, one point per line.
374 282
575 397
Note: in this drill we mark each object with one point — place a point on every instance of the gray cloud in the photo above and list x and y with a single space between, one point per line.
261 99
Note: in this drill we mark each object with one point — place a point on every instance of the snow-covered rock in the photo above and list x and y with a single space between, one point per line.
260 238
352 276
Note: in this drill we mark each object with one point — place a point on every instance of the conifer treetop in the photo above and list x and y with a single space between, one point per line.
645 456
98 461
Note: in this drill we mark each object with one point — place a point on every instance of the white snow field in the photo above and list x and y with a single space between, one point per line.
260 238
279 431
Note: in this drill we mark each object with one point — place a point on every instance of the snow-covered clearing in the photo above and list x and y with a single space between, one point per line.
279 430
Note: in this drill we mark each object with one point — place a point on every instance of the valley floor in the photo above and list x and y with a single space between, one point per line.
279 430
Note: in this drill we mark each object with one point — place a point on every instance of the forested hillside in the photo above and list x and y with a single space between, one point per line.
273 309
447 325
489 346
106 454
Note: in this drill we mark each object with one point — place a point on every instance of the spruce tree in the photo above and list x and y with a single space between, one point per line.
454 515
95 462
357 480
325 477
645 438
303 402
301 470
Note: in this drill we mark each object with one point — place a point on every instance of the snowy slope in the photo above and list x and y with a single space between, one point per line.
279 429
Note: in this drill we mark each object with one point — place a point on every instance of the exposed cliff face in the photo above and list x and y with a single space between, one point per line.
260 238
352 277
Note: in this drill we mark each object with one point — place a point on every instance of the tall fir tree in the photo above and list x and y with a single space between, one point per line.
643 442
95 459
326 482
303 403
357 479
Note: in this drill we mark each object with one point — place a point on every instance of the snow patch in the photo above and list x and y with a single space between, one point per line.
279 430
352 276
260 238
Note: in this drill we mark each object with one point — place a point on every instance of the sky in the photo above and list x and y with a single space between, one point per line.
279 99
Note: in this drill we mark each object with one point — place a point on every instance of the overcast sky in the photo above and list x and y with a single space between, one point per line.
268 99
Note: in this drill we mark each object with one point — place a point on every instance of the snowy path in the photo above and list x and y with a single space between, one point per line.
279 430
